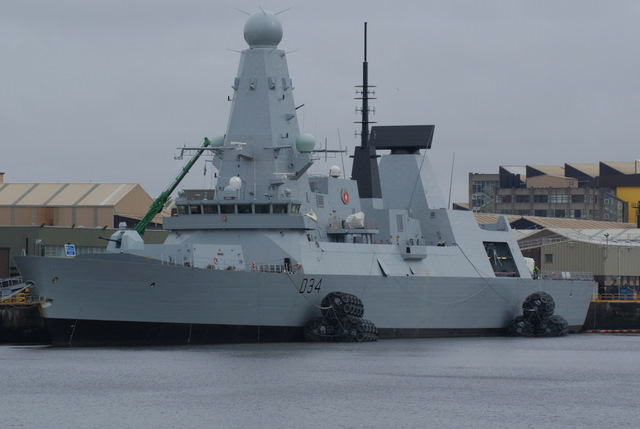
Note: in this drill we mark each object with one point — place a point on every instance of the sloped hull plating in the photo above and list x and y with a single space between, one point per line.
125 300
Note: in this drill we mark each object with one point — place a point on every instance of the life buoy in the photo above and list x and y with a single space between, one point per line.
215 260
298 266
253 266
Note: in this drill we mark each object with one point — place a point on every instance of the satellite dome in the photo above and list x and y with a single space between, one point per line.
305 142
235 183
217 141
335 171
263 30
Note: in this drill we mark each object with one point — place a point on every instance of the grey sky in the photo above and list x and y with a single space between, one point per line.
105 91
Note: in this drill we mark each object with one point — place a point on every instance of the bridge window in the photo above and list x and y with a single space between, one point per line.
280 208
210 209
262 209
244 208
227 208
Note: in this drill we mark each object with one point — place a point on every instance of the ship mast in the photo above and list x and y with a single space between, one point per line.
364 134
365 164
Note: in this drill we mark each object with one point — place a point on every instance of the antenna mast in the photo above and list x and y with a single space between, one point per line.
365 163
364 134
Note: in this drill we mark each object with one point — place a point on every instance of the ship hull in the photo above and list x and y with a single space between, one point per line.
70 332
128 300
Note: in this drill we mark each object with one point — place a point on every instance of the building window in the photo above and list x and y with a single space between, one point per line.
577 198
559 213
548 258
540 213
477 186
559 198
522 198
577 214
540 198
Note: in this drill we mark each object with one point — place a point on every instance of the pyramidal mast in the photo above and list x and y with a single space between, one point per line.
365 164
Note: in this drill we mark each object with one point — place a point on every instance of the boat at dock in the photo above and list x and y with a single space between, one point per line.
253 259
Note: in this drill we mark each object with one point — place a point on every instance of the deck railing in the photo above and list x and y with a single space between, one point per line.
565 275
624 297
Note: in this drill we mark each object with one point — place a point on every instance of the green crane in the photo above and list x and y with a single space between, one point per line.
158 204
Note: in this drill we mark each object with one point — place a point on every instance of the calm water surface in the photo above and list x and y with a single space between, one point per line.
580 381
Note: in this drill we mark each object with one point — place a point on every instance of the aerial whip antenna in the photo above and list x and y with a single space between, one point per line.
453 161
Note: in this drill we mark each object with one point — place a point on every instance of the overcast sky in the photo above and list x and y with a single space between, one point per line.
105 91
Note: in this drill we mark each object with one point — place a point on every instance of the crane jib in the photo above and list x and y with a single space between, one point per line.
158 203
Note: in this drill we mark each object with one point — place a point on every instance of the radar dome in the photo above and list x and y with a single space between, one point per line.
263 30
235 182
217 141
305 143
335 171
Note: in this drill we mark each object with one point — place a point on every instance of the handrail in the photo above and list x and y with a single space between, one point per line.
624 297
565 275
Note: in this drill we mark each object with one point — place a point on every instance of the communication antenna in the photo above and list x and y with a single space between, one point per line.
344 174
453 161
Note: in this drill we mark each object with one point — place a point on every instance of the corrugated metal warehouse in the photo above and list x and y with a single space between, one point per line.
69 204
40 218
612 255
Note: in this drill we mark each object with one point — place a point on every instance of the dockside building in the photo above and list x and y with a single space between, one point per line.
606 191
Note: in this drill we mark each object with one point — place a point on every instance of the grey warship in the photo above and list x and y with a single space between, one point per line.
252 259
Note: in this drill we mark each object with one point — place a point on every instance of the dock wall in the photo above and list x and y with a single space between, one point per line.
22 325
604 315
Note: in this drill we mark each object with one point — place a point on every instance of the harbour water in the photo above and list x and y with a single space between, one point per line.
579 381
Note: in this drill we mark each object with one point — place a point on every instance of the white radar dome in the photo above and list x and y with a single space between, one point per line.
335 171
217 141
235 182
263 30
305 143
